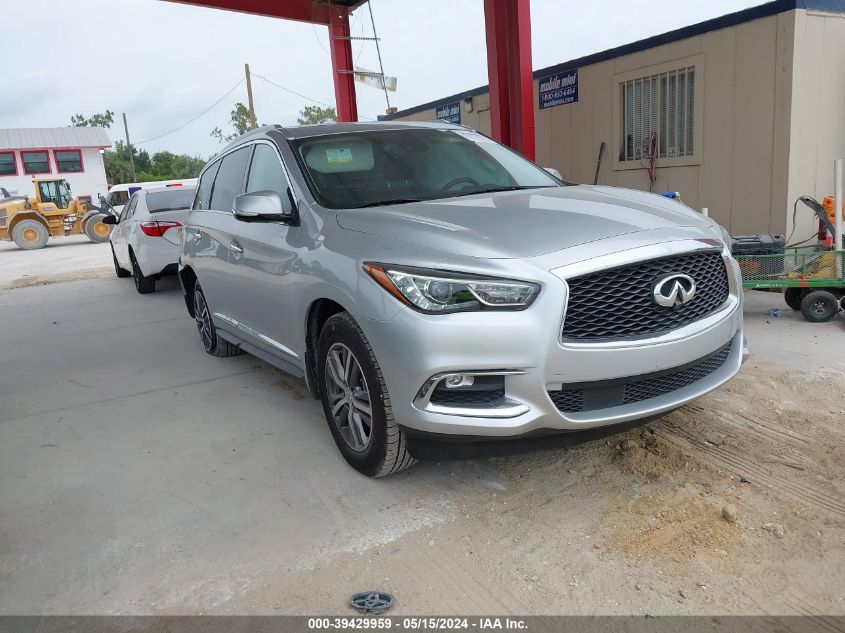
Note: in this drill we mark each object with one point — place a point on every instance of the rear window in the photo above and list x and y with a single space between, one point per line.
170 200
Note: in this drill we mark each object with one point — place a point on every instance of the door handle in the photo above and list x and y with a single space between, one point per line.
236 247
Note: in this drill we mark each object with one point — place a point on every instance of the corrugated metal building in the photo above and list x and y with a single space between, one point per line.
742 113
73 153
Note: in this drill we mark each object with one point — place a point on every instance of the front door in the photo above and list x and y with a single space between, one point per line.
208 239
263 265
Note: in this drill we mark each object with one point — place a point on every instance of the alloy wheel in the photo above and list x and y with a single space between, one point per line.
203 318
349 397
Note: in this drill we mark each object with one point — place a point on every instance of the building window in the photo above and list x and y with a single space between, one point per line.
68 160
658 115
36 162
8 165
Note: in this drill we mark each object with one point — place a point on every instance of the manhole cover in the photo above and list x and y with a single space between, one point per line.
371 602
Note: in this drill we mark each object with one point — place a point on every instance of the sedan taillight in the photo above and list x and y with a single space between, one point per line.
157 229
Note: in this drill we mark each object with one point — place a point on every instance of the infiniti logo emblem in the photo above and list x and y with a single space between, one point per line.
673 290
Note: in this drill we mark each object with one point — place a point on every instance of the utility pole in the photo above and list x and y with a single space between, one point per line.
253 124
129 147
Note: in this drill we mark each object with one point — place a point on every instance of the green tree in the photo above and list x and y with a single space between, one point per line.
312 115
117 162
240 122
101 119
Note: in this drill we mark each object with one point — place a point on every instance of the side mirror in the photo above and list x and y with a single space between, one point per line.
262 206
554 172
109 219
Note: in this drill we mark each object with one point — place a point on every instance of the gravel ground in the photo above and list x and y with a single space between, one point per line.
138 475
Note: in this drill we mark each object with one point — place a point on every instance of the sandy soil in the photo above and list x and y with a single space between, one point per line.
633 525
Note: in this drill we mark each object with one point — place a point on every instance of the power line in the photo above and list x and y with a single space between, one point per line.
204 112
299 94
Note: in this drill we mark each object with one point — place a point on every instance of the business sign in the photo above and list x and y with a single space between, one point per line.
559 89
451 112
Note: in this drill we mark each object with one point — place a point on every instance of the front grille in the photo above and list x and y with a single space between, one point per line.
590 396
618 302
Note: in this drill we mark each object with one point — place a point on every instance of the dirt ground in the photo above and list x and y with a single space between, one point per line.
636 524
632 525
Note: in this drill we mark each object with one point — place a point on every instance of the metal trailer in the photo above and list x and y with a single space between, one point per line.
812 280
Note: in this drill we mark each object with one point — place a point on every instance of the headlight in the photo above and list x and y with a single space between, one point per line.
437 292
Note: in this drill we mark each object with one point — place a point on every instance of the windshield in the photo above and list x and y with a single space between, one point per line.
172 199
394 166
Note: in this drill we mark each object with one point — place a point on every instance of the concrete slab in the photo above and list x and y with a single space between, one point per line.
63 259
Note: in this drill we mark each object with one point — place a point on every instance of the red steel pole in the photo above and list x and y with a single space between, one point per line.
342 64
509 68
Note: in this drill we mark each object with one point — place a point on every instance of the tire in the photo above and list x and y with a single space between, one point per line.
144 285
30 235
95 230
384 450
212 343
120 272
793 297
819 306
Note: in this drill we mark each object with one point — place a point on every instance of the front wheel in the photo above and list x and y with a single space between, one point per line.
143 284
120 272
355 400
95 230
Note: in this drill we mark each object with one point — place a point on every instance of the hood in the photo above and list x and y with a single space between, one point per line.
518 224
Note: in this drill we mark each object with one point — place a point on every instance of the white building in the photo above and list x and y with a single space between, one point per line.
74 153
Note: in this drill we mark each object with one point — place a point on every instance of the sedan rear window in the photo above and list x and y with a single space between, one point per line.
172 199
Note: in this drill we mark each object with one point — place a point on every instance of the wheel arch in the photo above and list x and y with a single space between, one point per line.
320 311
188 279
28 215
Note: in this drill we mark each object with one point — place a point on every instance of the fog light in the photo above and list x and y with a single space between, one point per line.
461 380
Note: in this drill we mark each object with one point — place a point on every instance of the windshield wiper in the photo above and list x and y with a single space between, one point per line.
470 192
378 203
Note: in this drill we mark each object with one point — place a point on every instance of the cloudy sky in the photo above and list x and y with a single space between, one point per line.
164 63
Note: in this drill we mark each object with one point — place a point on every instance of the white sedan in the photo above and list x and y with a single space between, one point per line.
145 239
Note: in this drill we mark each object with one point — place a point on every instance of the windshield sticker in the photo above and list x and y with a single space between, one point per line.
339 156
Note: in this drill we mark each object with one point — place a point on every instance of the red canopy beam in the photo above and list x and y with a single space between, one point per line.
336 17
508 29
312 11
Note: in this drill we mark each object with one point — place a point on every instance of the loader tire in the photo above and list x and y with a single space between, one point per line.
30 235
95 230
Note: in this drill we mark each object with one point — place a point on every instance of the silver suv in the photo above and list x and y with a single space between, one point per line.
437 291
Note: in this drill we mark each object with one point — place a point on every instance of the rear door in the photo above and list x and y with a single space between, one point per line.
208 237
262 277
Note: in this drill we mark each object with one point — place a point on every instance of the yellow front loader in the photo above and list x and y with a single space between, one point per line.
53 212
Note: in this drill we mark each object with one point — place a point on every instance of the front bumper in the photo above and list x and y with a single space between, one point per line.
526 347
